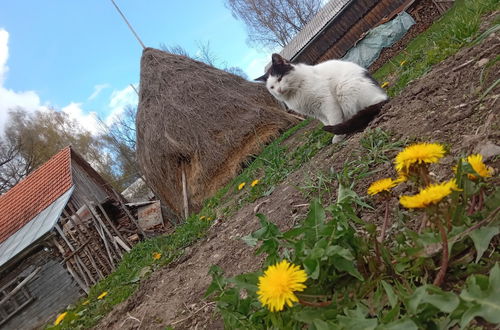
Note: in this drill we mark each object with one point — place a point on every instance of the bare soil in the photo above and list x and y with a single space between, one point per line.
443 106
424 13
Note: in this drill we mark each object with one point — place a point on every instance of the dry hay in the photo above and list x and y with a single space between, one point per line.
202 118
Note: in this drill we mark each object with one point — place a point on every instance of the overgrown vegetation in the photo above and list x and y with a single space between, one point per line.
136 265
275 163
140 262
457 28
358 280
368 294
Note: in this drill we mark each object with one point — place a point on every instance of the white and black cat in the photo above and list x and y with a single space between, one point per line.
342 95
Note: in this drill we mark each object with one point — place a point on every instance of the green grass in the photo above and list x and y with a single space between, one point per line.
375 147
135 266
273 165
355 281
456 29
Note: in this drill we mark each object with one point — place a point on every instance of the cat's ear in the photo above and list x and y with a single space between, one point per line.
263 77
277 59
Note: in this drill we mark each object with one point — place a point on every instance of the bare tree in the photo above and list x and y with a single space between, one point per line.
119 139
273 23
30 139
177 49
205 55
13 167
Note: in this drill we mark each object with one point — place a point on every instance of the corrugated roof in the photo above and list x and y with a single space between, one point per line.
311 29
41 224
35 193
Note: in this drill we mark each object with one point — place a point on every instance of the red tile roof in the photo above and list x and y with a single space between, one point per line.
34 193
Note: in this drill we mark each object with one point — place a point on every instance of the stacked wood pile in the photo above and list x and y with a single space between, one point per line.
443 5
92 241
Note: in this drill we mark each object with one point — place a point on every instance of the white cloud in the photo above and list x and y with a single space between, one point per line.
30 100
97 90
254 63
4 54
120 99
10 99
89 121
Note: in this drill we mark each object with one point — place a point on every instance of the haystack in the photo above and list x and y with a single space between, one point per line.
200 120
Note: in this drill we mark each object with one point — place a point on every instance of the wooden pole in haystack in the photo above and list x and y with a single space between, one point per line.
184 191
130 26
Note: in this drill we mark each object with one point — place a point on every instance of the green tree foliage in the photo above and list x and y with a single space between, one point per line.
43 133
30 139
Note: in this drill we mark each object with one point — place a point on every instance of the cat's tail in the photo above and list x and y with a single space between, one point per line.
358 122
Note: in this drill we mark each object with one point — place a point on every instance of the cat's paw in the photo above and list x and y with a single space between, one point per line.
338 138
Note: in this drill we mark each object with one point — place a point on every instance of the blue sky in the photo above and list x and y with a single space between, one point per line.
80 57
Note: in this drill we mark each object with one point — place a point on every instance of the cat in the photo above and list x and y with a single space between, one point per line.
342 95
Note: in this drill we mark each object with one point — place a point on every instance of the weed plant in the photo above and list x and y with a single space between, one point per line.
357 280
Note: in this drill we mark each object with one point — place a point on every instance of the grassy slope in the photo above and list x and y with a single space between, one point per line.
456 29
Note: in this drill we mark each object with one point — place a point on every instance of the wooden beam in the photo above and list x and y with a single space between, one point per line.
106 246
98 255
127 212
59 247
122 244
77 253
81 247
20 285
19 309
79 263
82 271
184 191
76 277
117 232
128 24
96 216
87 239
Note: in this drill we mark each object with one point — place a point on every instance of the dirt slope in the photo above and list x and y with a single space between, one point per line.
442 106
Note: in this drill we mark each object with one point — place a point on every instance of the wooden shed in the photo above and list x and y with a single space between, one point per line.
62 229
338 26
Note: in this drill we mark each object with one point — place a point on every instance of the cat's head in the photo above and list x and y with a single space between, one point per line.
277 77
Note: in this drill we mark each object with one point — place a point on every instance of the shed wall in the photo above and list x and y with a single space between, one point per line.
86 187
53 289
340 35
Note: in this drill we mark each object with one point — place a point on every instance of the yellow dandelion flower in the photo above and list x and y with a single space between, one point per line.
384 84
417 154
278 283
60 317
86 302
431 194
403 62
254 183
381 185
241 185
209 219
156 255
202 217
476 162
102 295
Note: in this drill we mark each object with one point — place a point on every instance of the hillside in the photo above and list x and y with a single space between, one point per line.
442 106
454 102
